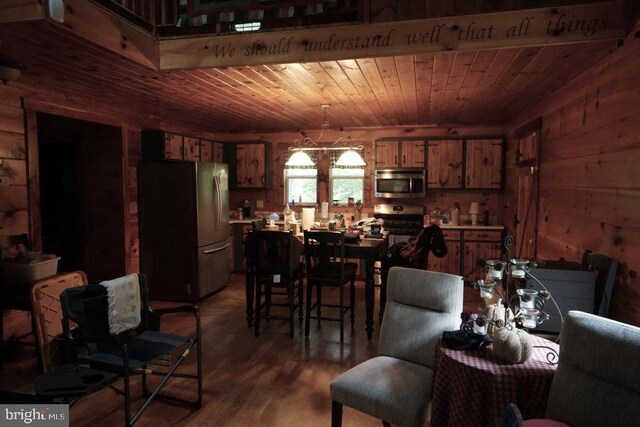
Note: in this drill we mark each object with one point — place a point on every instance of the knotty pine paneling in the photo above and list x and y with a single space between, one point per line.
14 217
589 178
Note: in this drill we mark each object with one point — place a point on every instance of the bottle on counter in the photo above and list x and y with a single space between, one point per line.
455 214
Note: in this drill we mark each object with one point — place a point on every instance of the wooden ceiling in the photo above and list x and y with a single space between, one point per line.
481 87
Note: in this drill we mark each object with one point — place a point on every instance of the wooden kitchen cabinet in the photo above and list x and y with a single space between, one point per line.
444 163
450 263
472 164
159 145
464 249
478 246
483 164
249 164
191 149
399 154
211 151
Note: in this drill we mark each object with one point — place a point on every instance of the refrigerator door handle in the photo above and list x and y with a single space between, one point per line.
216 183
210 251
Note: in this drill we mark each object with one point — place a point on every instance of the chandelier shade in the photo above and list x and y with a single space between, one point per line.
300 158
350 158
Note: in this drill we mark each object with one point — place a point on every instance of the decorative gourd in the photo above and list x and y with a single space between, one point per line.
513 346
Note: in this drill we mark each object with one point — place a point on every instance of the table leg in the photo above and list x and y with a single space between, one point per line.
249 289
369 294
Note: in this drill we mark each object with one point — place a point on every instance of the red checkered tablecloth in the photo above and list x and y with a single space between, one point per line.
471 390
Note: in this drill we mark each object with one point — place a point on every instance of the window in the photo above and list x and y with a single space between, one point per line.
301 183
345 183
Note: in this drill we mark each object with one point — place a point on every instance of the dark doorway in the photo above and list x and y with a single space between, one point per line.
82 195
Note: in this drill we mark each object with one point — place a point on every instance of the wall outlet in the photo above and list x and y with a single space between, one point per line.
259 203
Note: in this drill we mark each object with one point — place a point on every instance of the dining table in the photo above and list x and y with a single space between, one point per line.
474 388
369 250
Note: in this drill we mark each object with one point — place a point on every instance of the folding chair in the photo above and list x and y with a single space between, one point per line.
105 341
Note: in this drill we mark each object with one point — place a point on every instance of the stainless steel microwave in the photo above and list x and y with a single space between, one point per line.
399 183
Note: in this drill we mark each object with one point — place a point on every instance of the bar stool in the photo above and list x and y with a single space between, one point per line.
327 267
278 271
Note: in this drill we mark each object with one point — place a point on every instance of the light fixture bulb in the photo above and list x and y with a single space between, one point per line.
300 158
350 158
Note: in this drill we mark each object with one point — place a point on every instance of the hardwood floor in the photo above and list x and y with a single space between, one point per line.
271 380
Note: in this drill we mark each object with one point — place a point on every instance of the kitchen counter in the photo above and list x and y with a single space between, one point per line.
443 226
248 221
472 227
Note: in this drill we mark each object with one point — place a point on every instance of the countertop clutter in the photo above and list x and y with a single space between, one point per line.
443 226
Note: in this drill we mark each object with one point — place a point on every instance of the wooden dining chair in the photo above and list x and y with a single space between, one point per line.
278 273
327 268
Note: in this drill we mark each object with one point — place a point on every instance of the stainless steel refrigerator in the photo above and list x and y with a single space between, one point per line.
183 211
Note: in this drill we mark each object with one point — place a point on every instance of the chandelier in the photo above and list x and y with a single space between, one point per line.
350 157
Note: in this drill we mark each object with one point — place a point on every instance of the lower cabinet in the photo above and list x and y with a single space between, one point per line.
450 263
466 250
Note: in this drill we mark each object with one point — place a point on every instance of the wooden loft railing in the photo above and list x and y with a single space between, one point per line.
161 17
146 14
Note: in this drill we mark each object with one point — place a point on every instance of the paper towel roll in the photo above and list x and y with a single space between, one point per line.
308 216
324 212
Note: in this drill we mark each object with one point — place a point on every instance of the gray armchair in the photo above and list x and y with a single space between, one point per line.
598 378
396 385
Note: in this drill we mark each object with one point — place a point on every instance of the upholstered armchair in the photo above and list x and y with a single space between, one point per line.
598 378
396 385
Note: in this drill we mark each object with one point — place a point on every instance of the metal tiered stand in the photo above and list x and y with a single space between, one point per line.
503 277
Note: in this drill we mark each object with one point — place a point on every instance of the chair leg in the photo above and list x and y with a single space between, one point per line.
318 302
341 313
336 414
291 307
256 311
300 296
307 320
352 298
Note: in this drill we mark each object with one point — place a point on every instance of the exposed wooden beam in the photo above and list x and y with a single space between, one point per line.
109 31
532 27
21 10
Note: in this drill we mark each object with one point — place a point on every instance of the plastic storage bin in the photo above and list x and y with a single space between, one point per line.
21 272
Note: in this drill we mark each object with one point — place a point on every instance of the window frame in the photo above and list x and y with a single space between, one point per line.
331 180
286 185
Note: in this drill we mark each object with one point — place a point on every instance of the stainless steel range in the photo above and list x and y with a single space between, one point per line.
402 222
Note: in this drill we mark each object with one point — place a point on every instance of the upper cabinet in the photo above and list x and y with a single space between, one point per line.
474 164
211 151
399 154
249 164
444 167
159 145
483 163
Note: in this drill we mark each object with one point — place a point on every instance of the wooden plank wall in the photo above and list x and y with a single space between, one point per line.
494 201
589 174
14 214
14 205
